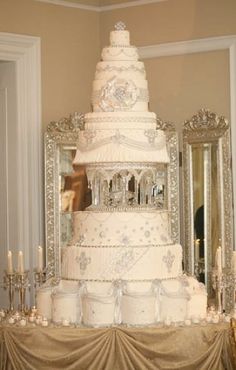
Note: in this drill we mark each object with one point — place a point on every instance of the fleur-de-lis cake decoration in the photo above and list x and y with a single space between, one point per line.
120 26
169 260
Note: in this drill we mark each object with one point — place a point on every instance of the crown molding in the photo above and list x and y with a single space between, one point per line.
187 47
102 8
129 4
70 4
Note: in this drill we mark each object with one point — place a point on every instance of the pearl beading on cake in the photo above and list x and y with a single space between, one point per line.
79 245
131 208
131 68
122 280
110 119
130 165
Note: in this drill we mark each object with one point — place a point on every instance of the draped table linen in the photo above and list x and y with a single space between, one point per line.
197 347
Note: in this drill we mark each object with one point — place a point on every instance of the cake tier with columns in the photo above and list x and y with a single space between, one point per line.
121 256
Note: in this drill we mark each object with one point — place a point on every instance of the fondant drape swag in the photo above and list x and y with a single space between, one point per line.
186 348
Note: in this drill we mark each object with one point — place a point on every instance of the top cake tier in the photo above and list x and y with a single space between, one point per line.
119 38
120 48
120 128
120 80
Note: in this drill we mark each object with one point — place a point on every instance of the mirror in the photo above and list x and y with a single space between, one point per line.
60 186
207 197
67 191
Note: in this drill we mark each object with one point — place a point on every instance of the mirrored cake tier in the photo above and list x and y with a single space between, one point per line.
127 185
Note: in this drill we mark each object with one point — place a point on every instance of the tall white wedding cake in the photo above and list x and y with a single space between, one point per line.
121 260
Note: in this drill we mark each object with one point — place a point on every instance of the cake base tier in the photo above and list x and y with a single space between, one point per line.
122 302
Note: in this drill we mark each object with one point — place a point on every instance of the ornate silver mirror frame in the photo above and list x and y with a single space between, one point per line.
172 177
208 208
65 133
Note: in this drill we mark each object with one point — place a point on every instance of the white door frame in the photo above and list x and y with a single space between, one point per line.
25 52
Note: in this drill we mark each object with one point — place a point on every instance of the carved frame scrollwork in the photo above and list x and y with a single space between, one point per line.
172 177
207 127
65 131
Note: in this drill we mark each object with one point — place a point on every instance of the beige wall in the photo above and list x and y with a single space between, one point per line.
173 20
180 85
69 48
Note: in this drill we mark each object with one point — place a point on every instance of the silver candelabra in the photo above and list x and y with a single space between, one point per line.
40 277
22 284
222 281
9 283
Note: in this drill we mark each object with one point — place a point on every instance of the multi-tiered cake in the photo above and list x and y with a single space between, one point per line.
121 253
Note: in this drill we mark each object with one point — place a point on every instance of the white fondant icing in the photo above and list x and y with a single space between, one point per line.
125 69
173 308
99 146
98 309
66 306
125 262
110 228
44 302
138 309
119 120
117 80
130 269
120 37
124 53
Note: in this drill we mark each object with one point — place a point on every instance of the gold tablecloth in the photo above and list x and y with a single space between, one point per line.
184 348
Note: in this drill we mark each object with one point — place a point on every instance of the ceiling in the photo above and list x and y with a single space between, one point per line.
99 2
100 5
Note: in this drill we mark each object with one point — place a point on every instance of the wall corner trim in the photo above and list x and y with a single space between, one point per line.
25 52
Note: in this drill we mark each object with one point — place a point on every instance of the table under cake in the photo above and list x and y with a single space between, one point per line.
202 347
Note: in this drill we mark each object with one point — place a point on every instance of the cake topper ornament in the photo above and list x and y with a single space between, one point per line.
120 26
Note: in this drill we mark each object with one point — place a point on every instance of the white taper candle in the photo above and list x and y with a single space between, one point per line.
9 263
40 258
20 263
